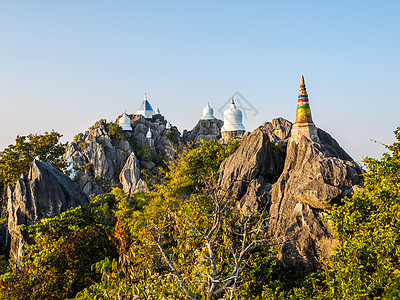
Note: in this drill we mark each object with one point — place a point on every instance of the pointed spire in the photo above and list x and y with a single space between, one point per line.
304 124
145 96
208 113
303 114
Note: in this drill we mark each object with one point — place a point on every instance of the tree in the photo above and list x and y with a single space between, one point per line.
59 265
16 159
184 239
367 262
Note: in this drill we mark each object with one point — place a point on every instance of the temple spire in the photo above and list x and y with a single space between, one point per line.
304 124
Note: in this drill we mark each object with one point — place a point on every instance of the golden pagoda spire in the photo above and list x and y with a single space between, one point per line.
304 124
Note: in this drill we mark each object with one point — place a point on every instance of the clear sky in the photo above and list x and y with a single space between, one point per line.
66 64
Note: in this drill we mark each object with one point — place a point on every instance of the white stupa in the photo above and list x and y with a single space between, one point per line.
168 126
208 113
145 109
149 135
70 166
157 111
125 122
233 126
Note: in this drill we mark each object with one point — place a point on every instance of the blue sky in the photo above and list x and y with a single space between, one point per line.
66 64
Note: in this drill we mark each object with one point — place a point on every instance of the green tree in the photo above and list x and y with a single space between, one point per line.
184 239
367 262
59 265
16 159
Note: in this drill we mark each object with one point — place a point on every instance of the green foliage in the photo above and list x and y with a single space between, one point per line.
83 145
145 153
114 131
188 172
366 264
173 135
178 219
16 159
60 264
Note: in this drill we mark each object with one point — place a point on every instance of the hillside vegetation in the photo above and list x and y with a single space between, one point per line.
186 239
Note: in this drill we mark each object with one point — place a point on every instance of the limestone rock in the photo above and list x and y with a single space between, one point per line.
315 177
278 131
44 192
209 129
250 170
130 176
102 161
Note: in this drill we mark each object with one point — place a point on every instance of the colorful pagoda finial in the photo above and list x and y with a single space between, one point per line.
304 124
303 114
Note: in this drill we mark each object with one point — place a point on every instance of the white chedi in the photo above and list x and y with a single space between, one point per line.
208 113
149 135
145 109
168 126
233 119
125 122
70 166
157 111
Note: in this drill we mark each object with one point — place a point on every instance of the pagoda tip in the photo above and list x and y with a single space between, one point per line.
302 80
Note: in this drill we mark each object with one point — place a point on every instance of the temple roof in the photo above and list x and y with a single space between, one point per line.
145 105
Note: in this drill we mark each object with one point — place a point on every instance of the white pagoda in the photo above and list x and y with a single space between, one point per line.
233 126
145 109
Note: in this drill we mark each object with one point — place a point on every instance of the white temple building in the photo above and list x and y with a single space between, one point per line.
157 111
70 166
149 135
125 123
208 113
233 126
145 109
168 126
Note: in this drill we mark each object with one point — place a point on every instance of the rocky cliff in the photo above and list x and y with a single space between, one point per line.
105 156
44 192
300 189
206 130
251 170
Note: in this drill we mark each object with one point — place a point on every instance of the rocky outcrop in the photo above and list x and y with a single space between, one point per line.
130 176
250 171
44 192
204 130
105 156
278 131
315 177
298 187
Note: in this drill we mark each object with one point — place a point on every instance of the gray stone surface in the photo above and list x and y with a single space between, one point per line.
102 162
205 130
44 192
130 176
315 177
299 190
250 170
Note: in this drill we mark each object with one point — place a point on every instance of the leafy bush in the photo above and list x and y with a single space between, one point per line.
366 263
114 131
60 264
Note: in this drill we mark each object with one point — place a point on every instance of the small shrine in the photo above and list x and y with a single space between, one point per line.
145 109
208 113
304 124
233 126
